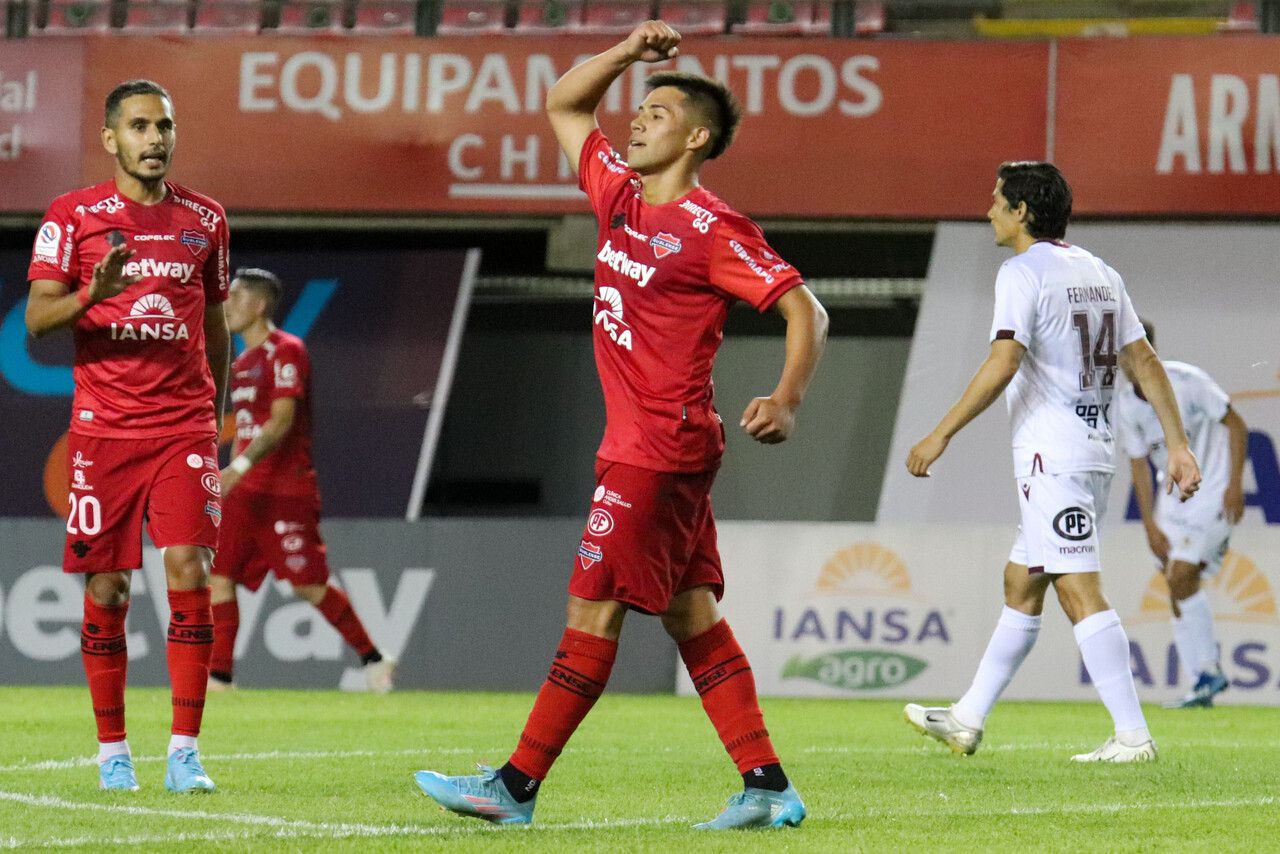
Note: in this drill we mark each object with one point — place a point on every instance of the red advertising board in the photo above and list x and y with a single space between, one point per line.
833 128
40 117
1161 126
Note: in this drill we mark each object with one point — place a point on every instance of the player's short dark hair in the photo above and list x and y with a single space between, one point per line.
1150 329
263 282
1046 192
128 89
713 101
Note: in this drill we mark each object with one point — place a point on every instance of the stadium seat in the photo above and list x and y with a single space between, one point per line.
392 17
614 16
785 18
158 16
63 18
223 16
311 16
549 17
694 17
472 17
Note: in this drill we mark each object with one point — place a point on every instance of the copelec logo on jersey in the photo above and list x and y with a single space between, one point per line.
1074 523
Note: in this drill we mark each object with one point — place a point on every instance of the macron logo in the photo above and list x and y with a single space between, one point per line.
149 268
617 259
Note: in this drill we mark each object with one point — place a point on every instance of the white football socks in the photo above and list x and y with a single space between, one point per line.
177 742
1104 646
1195 632
1014 636
107 749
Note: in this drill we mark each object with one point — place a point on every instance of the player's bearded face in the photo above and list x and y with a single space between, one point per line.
1004 220
659 132
142 137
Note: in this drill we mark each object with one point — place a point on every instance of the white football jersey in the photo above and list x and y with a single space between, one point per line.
1203 404
1072 314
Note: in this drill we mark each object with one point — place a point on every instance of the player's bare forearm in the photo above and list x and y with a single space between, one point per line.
1143 491
993 375
217 342
806 339
1142 365
272 434
1238 435
50 306
572 101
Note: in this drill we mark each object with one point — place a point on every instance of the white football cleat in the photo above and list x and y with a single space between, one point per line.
379 676
938 722
1113 751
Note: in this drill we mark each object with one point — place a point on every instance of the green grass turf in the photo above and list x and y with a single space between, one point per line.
638 773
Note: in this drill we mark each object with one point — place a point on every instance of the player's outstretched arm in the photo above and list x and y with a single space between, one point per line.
51 305
769 420
572 102
987 385
1145 493
1238 435
274 429
1141 364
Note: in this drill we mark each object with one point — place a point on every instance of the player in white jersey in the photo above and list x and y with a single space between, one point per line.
1189 540
1063 326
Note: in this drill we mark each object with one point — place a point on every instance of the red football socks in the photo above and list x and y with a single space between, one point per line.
576 680
190 645
722 677
336 608
226 625
106 663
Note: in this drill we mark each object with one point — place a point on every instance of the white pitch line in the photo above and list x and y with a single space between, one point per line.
89 761
1012 747
1064 809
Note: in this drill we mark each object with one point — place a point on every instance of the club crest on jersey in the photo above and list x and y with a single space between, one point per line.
665 244
194 240
589 554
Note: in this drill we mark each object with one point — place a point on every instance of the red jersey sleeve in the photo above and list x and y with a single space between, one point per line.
290 370
744 266
54 255
217 267
600 170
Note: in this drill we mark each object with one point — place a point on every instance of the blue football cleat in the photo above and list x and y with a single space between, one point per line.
1208 686
759 808
185 773
482 796
116 774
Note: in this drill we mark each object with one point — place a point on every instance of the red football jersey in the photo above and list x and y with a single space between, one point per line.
141 370
279 367
665 277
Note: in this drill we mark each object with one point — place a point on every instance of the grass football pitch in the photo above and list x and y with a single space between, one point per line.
302 771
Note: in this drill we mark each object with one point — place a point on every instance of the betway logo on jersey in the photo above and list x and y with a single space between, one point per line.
151 319
608 316
618 260
149 268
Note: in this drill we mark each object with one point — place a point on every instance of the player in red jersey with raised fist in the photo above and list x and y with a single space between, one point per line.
671 259
270 501
137 267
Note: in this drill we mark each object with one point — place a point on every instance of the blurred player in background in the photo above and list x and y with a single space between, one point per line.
671 259
1063 325
137 266
271 501
1188 539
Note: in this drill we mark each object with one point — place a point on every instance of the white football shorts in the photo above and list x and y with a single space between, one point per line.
1200 536
1060 514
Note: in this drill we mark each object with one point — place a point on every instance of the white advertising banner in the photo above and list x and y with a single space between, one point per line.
860 610
1212 292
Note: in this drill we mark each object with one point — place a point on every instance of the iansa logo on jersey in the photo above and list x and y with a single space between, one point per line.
664 244
609 316
619 261
151 319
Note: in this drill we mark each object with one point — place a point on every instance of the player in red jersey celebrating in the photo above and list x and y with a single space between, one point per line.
270 501
672 258
137 266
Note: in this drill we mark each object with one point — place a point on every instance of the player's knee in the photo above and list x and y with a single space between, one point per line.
109 589
1184 579
600 618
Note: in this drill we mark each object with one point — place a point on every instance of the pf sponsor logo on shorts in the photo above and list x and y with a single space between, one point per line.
589 554
212 483
600 522
1074 524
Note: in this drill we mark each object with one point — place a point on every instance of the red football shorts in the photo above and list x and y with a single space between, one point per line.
264 533
171 483
650 535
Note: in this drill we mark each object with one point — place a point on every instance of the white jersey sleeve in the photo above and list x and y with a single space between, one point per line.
1016 298
1206 396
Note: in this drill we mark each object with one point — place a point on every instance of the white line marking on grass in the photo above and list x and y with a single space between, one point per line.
89 761
1019 746
1063 809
